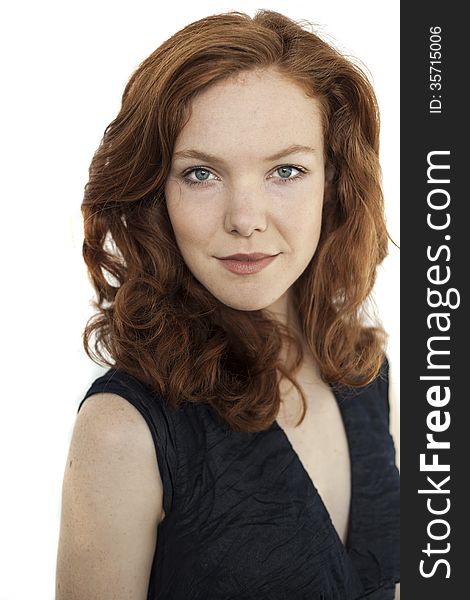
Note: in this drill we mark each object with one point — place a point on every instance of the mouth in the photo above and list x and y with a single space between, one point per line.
247 264
247 257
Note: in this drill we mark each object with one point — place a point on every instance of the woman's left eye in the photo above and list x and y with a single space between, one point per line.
287 173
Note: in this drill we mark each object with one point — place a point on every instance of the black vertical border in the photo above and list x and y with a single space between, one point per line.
421 133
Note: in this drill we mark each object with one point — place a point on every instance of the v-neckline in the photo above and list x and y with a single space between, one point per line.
346 545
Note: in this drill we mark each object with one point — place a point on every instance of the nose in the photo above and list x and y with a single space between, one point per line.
247 210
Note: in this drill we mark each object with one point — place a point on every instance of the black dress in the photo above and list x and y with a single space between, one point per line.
243 519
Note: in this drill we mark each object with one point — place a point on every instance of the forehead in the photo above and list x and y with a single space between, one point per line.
252 113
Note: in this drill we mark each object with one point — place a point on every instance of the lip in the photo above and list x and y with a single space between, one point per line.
247 264
246 257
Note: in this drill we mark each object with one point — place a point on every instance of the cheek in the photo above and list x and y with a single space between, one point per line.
186 228
302 226
193 222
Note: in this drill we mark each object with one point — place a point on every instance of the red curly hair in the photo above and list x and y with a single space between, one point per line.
154 319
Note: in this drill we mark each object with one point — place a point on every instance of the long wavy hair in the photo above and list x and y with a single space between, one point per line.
153 318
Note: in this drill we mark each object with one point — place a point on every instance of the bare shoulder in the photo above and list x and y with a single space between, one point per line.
111 504
111 439
112 420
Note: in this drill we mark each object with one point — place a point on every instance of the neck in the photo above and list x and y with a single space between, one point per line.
284 312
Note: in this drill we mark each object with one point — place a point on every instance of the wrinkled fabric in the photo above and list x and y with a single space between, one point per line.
244 520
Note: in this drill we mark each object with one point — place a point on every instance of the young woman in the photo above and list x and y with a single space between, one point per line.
239 445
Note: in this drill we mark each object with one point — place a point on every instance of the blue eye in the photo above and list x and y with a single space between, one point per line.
287 173
201 174
284 172
198 176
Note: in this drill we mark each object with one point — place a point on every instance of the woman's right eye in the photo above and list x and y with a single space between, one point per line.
198 176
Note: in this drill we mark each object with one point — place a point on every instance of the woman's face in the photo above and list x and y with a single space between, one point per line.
248 176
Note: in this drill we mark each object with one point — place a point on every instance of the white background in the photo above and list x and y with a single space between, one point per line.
64 67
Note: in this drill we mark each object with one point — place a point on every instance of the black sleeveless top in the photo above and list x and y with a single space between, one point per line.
243 518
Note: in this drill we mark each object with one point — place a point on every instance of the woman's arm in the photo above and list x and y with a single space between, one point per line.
111 504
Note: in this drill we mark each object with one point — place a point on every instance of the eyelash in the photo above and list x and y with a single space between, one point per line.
282 180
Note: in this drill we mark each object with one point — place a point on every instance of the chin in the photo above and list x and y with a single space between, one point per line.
248 304
247 307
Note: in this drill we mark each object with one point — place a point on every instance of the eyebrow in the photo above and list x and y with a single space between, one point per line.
205 157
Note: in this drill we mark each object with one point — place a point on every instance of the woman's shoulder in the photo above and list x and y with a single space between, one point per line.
111 498
110 428
110 416
121 383
111 434
122 395
131 408
377 390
